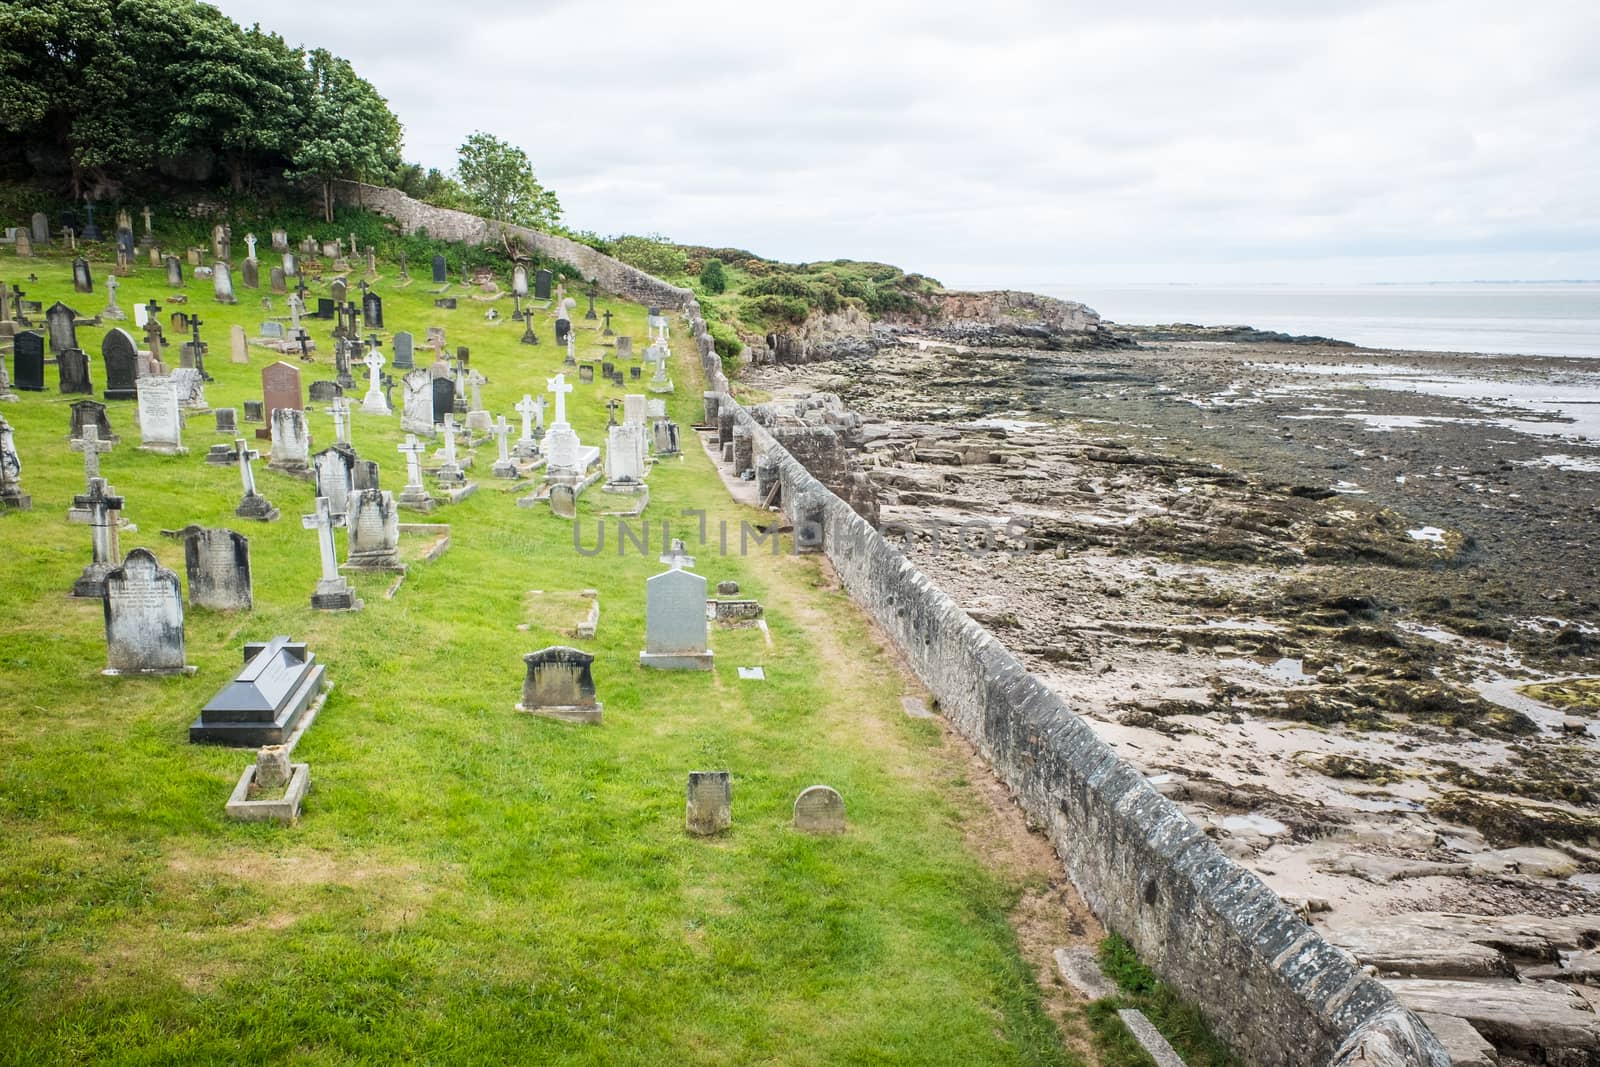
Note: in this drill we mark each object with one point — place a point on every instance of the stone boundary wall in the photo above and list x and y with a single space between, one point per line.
1268 983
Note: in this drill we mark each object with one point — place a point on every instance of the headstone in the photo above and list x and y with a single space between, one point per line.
11 494
333 592
541 285
160 417
519 280
82 280
709 807
272 330
625 457
73 368
27 360
227 420
416 413
61 321
441 270
175 272
253 505
444 398
340 290
326 309
277 280
624 347
291 441
24 245
374 529
445 303
819 810
120 355
250 274
255 411
586 374
280 388
333 469
366 475
238 345
222 283
633 409
87 414
280 240
291 265
111 310
218 566
324 391
40 225
144 618
664 437
675 622
559 685
563 327
261 706
339 408
102 508
404 345
372 310
191 388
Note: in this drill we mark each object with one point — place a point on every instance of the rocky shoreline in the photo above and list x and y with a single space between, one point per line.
1337 603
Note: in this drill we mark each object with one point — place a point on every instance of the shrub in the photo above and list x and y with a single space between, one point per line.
713 277
771 308
653 254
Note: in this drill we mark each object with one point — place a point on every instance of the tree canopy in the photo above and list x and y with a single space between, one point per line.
500 183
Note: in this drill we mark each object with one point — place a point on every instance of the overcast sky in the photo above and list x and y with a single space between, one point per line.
1016 143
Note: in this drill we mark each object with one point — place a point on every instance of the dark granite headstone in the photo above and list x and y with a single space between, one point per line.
120 354
28 361
254 410
89 413
444 398
73 368
404 351
563 327
441 270
635 372
62 322
541 285
262 703
323 391
250 274
82 280
326 309
372 310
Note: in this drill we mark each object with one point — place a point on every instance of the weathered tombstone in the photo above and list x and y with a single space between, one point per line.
262 704
291 265
218 565
563 327
277 281
324 391
40 226
374 529
444 398
404 345
175 272
339 408
191 388
586 374
272 330
559 685
11 494
82 280
333 592
222 283
250 274
227 420
24 245
664 437
291 442
376 402
280 388
144 618
819 810
503 466
160 417
541 284
372 310
519 280
441 270
633 409
416 413
238 345
625 458
28 361
709 802
255 411
675 622
120 354
332 468
624 347
111 310
86 414
72 367
563 501
366 476
445 303
102 507
61 321
414 495
280 240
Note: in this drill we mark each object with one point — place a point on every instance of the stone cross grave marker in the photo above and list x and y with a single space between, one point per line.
374 403
91 446
102 507
333 592
503 467
252 505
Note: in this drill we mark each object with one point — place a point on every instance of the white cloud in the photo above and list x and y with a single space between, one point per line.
991 144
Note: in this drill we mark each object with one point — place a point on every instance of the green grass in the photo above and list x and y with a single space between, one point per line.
1179 1022
469 884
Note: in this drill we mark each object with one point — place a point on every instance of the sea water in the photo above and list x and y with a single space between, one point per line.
1535 318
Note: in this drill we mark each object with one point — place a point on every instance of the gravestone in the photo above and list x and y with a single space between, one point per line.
586 374
333 592
326 309
11 494
272 330
175 272
444 398
87 413
519 280
262 704
120 355
333 473
253 505
633 409
709 802
238 345
324 391
563 327
624 347
374 529
280 240
372 310
291 265
280 388
625 458
61 321
144 618
255 411
39 224
24 245
664 437
160 417
819 810
376 402
564 501
72 367
250 274
365 476
277 281
416 412
445 303
222 283
218 566
675 622
82 280
191 388
102 508
27 361
291 442
340 290
541 284
414 494
559 685
441 270
503 466
404 346
227 420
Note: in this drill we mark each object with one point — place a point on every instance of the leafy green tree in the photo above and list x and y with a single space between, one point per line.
51 54
654 254
500 183
349 131
431 186
713 277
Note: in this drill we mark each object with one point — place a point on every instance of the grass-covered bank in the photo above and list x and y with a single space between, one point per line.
467 884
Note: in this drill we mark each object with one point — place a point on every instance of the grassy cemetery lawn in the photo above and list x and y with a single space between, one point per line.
467 883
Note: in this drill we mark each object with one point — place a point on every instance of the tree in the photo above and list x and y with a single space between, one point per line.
713 277
500 183
49 55
349 130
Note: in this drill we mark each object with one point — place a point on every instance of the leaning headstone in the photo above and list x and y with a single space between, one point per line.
222 283
819 810
11 494
72 366
374 529
120 355
27 357
253 505
238 345
86 414
559 685
291 442
175 272
82 280
250 274
709 802
144 618
218 564
675 622
160 417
